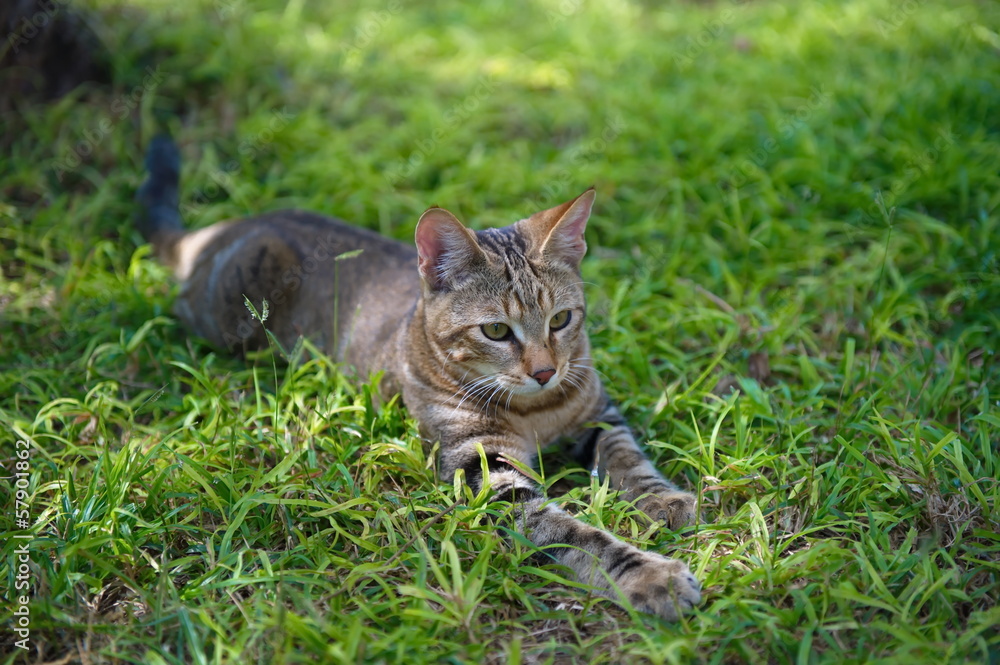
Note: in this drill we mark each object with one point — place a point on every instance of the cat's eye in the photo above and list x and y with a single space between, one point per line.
560 320
496 331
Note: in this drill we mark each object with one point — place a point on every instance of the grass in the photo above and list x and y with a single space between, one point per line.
795 297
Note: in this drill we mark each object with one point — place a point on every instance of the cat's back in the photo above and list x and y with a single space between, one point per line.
307 233
323 279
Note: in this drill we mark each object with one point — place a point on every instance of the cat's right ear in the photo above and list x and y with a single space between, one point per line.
445 247
559 231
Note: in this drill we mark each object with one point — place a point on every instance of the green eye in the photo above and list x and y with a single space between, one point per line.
560 320
496 331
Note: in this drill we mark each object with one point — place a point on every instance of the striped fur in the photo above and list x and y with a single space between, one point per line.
421 316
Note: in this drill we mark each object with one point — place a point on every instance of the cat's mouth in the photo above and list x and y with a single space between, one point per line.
502 388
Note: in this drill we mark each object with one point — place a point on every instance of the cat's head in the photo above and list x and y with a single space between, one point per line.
504 308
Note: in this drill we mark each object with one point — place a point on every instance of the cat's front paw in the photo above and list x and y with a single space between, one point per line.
671 507
661 586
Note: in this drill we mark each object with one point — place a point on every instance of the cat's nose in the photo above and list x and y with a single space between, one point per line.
543 376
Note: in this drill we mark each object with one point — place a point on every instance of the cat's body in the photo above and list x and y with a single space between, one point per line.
289 259
480 332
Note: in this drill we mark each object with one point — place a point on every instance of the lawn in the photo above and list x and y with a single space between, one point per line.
794 288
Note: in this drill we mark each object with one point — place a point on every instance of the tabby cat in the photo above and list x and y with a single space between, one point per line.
481 332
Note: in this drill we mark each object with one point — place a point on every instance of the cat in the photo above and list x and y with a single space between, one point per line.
480 332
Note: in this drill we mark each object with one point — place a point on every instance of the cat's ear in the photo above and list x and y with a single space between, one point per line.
559 230
445 247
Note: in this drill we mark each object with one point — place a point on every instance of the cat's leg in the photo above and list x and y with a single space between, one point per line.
614 452
649 582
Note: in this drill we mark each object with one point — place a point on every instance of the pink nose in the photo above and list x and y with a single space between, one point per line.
543 376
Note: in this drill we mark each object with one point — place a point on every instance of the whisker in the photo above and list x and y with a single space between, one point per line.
506 407
474 382
566 287
570 373
573 363
474 388
583 369
462 380
461 385
578 379
485 393
573 381
498 389
496 405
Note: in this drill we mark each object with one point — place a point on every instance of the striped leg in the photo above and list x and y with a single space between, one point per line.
649 582
618 457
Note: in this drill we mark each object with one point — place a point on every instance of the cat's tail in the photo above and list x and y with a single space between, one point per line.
159 215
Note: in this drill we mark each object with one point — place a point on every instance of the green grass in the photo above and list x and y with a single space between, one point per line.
820 370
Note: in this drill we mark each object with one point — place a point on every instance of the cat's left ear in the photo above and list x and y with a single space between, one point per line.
561 228
446 248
